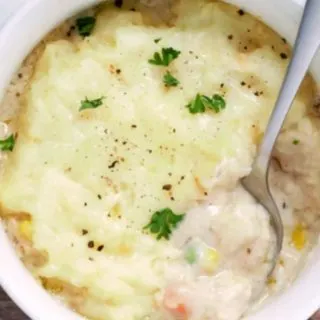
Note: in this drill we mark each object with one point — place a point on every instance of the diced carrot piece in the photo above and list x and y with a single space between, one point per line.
181 309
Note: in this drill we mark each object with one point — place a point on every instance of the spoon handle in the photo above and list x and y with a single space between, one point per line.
306 45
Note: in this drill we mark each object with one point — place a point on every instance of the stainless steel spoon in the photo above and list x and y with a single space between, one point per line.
306 45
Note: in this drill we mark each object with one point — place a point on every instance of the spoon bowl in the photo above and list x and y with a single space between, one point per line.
257 183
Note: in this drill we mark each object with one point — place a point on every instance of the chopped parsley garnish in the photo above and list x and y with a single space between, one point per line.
91 104
170 81
162 222
197 104
164 58
157 40
86 25
201 102
7 144
296 141
217 103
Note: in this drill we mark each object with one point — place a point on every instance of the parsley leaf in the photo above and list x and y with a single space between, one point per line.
170 81
201 102
86 25
7 144
164 58
91 104
157 40
217 103
162 222
197 105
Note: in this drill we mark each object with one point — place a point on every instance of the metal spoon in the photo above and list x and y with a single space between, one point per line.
306 45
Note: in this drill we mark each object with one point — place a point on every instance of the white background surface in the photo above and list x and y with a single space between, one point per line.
7 7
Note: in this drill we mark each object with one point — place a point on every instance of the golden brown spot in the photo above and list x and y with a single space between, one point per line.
199 186
257 134
112 69
125 249
6 214
34 258
56 286
116 211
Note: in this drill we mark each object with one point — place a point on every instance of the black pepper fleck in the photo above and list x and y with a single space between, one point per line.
283 56
113 164
118 71
99 196
221 85
240 12
91 244
284 40
133 126
243 83
84 232
284 205
118 3
100 248
85 204
20 75
172 198
167 187
230 36
248 251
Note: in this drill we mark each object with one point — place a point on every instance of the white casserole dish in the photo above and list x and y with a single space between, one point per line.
17 38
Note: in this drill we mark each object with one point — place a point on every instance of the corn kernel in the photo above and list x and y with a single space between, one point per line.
25 228
298 237
210 260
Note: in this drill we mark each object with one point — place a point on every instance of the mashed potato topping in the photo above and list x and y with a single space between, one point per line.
108 151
